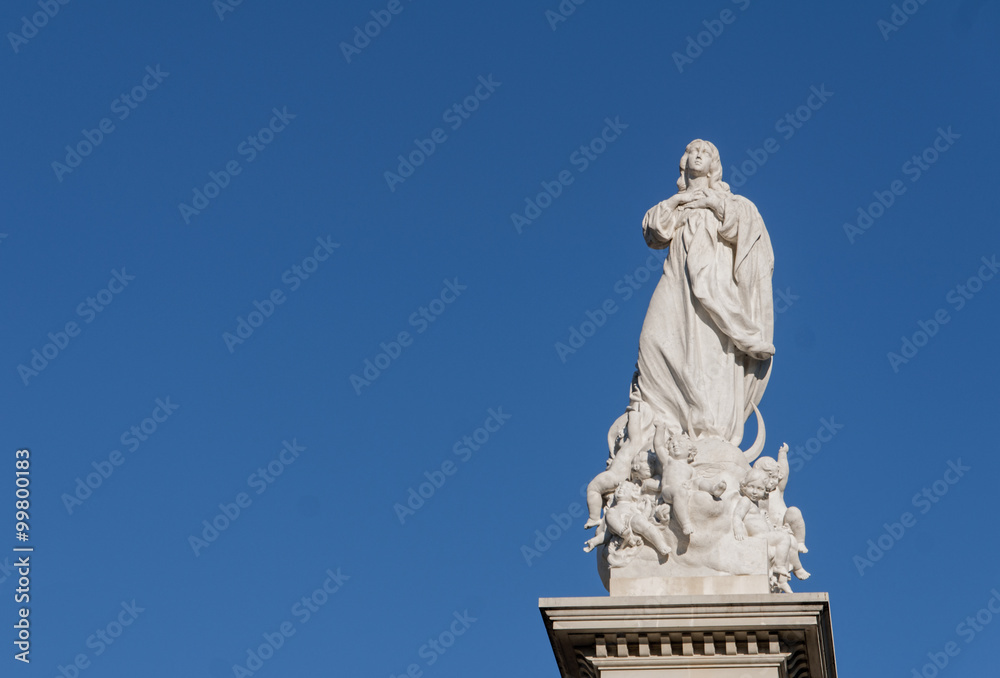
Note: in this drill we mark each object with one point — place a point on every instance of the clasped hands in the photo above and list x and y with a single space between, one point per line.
702 198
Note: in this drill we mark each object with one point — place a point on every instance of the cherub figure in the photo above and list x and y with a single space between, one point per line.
647 472
602 529
749 520
629 445
628 518
644 472
781 515
675 454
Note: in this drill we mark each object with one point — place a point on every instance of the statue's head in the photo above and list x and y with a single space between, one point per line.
681 447
645 466
627 491
701 158
769 466
754 485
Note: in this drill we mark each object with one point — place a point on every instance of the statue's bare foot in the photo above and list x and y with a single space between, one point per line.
593 522
783 585
800 573
718 489
803 549
687 530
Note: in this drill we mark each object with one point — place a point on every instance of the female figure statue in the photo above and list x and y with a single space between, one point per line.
706 343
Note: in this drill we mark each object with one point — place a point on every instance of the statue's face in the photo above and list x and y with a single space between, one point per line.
755 490
699 159
680 448
627 491
641 468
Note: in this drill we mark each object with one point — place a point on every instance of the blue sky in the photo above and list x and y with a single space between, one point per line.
227 330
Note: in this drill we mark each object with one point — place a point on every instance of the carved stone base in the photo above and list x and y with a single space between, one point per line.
645 575
688 586
737 636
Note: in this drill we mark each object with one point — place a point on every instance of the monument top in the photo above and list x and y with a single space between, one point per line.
679 509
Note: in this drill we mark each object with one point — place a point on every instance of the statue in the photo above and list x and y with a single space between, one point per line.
779 514
748 520
704 360
630 518
705 347
675 456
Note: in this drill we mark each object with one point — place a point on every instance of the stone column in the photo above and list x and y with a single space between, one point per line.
715 636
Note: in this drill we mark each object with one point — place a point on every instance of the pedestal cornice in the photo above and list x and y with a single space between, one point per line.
725 635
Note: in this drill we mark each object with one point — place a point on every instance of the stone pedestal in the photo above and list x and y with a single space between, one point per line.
706 636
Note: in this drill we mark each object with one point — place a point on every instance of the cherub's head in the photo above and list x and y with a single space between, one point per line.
770 466
627 491
681 448
645 466
754 485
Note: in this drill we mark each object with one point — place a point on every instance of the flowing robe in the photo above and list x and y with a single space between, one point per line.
711 305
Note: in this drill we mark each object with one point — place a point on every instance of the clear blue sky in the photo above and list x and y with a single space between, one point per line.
299 232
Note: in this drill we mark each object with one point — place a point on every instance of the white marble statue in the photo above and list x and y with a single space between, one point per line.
675 455
779 514
750 521
705 346
705 355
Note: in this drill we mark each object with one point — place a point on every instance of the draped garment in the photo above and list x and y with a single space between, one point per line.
712 304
